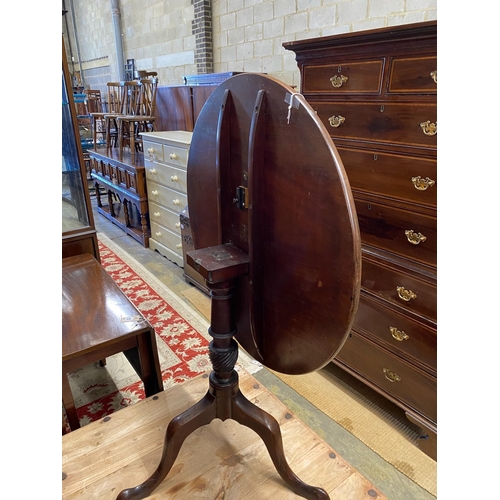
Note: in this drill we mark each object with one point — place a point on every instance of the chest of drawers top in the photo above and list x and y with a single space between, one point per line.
396 63
167 147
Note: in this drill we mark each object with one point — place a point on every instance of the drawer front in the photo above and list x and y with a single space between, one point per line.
400 288
118 176
399 231
393 375
413 75
167 197
364 77
167 175
153 151
166 237
410 338
393 123
397 176
177 157
161 215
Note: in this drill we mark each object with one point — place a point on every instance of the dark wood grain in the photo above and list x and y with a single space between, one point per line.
295 308
98 320
389 89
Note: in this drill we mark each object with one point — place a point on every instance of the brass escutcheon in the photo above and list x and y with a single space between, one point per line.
405 294
336 121
391 376
338 81
414 238
434 75
422 184
429 128
399 335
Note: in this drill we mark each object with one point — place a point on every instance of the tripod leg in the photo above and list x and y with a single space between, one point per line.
178 430
266 426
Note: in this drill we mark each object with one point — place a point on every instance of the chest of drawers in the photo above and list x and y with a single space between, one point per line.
165 162
375 92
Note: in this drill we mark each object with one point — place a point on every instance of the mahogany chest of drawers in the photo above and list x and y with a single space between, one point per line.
376 93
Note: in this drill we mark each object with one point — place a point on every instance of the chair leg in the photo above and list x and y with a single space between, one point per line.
94 130
108 133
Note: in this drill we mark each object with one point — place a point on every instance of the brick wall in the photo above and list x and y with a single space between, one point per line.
186 37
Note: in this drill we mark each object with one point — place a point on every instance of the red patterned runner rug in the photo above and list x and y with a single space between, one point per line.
182 341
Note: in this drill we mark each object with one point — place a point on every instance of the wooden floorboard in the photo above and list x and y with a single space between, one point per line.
223 460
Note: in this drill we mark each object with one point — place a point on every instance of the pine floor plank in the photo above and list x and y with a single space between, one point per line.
220 460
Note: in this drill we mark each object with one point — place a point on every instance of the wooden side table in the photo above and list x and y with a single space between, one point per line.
98 320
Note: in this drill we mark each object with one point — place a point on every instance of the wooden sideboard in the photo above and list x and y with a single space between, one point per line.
123 178
376 93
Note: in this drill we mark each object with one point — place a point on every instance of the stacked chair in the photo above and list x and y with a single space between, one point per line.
131 110
100 125
140 119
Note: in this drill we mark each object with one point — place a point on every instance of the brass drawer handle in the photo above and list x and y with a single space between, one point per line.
173 156
422 184
434 75
429 128
414 238
405 294
338 80
399 335
336 121
391 376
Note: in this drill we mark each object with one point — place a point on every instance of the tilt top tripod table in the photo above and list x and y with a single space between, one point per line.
277 241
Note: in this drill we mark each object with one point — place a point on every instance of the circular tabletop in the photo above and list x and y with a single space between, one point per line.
264 175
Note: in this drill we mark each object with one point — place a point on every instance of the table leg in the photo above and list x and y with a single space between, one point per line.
69 403
98 194
126 215
110 201
150 363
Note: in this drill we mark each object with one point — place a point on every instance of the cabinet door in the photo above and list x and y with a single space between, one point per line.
78 232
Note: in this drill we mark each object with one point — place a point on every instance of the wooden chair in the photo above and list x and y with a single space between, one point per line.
114 106
131 125
130 106
94 104
98 320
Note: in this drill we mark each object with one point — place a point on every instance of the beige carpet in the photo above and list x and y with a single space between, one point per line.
376 422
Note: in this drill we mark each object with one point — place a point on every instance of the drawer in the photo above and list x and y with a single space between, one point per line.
116 175
167 175
363 77
391 374
403 177
177 157
407 124
413 75
165 217
166 237
167 197
408 338
406 233
153 151
400 288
